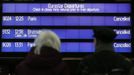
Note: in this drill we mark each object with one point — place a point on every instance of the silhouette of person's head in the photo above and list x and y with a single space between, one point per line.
47 38
104 38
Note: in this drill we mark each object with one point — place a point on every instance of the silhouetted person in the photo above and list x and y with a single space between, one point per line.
104 61
4 70
44 58
132 71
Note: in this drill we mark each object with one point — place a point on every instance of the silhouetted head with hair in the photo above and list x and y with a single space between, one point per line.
104 38
47 38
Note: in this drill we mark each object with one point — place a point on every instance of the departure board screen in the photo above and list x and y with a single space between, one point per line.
72 22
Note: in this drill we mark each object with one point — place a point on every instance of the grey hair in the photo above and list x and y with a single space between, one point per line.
47 38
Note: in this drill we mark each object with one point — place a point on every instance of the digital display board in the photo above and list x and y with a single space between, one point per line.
62 33
66 20
70 21
65 47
